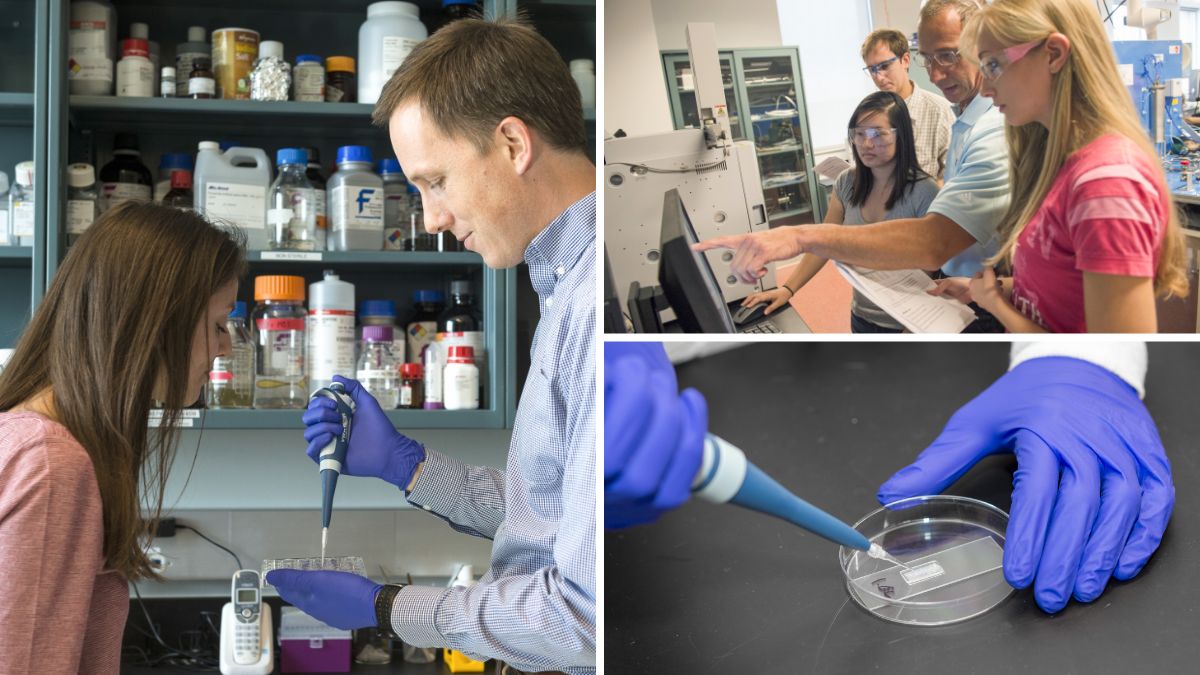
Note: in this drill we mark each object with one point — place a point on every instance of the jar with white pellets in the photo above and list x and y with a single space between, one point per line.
271 79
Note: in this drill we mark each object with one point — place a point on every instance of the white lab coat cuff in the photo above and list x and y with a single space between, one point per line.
1126 360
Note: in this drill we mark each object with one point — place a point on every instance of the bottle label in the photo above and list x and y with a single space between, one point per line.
112 194
201 85
406 396
135 77
377 374
22 218
219 376
420 333
461 387
356 208
395 50
4 227
80 214
282 343
309 82
330 343
322 220
280 324
433 377
87 52
242 205
333 94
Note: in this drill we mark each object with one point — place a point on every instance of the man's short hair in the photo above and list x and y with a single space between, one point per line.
473 73
891 38
965 8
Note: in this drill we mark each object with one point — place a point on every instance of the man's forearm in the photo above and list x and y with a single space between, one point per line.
909 243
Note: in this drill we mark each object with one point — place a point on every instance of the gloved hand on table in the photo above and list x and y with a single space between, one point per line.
339 599
375 448
653 435
1092 493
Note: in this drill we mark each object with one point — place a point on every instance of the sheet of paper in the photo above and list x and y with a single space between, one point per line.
901 293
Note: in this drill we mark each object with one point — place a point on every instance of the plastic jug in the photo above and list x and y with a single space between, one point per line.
232 186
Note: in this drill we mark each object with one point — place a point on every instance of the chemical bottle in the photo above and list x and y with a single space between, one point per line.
422 327
279 331
355 202
380 313
431 360
395 206
167 82
308 78
125 177
390 32
416 238
202 84
460 379
232 187
167 163
271 78
584 73
4 209
378 368
330 327
92 48
231 382
83 200
141 31
460 324
412 386
20 207
291 208
180 196
185 57
317 178
135 76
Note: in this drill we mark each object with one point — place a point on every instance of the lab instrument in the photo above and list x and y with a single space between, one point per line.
333 455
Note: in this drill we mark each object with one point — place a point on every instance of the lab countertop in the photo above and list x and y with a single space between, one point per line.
719 589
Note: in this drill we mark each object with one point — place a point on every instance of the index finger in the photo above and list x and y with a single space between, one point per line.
730 241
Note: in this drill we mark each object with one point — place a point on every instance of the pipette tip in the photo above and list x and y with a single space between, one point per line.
324 539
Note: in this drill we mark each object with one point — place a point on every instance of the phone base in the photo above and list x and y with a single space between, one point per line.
266 654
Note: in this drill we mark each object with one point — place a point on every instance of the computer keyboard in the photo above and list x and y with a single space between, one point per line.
762 327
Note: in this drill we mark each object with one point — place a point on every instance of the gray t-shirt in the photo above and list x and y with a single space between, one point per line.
913 204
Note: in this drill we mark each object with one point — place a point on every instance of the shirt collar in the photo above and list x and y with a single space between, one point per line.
975 110
556 249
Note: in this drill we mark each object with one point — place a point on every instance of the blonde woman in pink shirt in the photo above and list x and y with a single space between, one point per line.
135 314
1091 233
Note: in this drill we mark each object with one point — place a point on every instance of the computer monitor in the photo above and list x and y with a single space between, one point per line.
685 275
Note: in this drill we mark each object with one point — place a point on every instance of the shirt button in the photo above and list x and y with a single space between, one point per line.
560 270
550 302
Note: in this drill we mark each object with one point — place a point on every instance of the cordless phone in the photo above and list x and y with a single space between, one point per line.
246 628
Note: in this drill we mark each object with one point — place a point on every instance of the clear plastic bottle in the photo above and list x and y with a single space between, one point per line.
231 382
330 330
378 368
279 329
291 211
355 202
422 327
461 325
20 207
385 39
83 200
395 205
317 178
380 313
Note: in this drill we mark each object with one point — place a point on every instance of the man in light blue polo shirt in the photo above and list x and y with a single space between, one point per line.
959 230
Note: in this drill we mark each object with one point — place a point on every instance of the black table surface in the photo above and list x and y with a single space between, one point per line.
718 589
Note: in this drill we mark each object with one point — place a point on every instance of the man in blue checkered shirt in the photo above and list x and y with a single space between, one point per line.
486 121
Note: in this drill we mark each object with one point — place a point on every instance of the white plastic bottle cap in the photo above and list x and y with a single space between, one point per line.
197 34
140 31
270 48
209 145
168 71
80 175
582 64
25 174
392 7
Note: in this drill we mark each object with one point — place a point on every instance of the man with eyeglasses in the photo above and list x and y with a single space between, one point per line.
885 53
959 230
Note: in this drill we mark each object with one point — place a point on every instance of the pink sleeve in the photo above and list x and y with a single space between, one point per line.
51 531
1116 219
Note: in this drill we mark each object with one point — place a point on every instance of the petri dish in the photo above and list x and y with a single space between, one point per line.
346 563
952 550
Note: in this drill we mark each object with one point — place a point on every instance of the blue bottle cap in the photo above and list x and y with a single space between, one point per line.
447 3
308 58
388 166
412 189
354 153
377 308
428 296
239 310
176 160
291 156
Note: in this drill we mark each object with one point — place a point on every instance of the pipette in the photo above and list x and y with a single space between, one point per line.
726 475
333 455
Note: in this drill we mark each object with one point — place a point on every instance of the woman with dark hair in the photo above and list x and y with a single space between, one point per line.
135 314
886 183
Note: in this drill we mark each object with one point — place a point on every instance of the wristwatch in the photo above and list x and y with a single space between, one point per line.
384 599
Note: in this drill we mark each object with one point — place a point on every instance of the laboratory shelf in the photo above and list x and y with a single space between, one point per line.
429 259
793 212
773 83
16 109
769 184
402 419
15 255
795 147
249 117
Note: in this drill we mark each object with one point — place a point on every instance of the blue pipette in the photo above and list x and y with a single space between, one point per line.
333 455
726 475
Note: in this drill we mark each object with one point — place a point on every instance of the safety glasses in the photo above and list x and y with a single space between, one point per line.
879 136
993 66
881 66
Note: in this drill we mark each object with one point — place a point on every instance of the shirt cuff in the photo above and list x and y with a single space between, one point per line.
1126 360
442 479
414 615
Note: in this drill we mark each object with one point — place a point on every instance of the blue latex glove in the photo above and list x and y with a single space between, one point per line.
339 599
375 448
1092 493
653 435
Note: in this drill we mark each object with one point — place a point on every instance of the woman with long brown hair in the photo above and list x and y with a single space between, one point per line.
135 314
